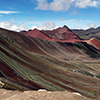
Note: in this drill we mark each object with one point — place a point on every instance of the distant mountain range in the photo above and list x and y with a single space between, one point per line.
87 34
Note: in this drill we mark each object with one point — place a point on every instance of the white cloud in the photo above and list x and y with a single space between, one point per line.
5 24
8 12
64 5
43 5
55 5
48 25
18 27
86 3
58 5
9 25
14 27
93 25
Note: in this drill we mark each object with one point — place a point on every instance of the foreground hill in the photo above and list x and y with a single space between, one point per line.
28 63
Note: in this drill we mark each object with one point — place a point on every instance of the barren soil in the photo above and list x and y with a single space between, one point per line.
39 95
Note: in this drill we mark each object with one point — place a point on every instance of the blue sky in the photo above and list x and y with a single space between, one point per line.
48 14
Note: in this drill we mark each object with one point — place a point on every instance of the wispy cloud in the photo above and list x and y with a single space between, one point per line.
8 12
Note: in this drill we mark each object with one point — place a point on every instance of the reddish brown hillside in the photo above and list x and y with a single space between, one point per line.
94 42
37 34
61 34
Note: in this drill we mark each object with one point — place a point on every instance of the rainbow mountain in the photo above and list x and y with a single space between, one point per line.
55 60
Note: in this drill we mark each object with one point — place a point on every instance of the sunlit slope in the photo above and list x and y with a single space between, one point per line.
94 42
28 63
